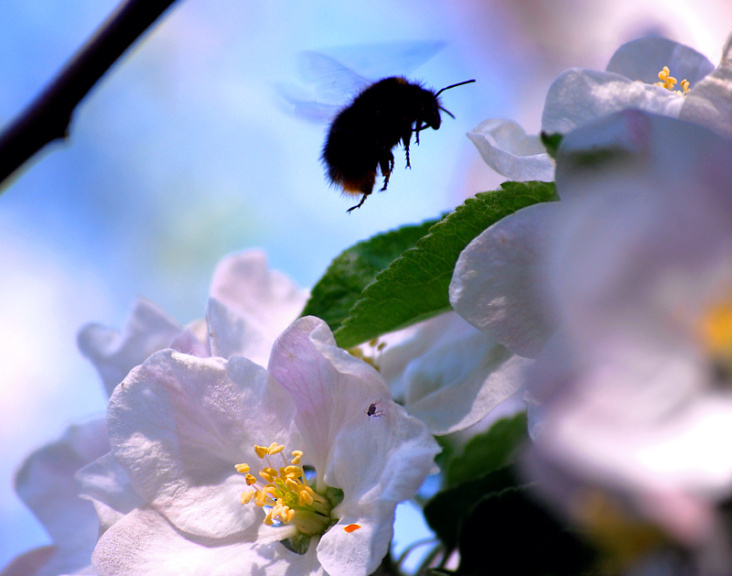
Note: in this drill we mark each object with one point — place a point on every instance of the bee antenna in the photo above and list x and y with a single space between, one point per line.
446 111
453 86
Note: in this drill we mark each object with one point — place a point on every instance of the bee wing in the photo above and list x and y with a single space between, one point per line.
304 105
380 60
330 81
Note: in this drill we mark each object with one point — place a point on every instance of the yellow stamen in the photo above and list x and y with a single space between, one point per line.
286 494
304 498
372 355
275 448
668 82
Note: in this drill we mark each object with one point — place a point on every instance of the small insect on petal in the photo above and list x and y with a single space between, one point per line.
351 528
373 411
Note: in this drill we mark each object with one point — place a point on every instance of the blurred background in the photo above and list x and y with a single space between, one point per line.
183 154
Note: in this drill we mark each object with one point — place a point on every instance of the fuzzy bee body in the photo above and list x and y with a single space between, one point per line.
362 135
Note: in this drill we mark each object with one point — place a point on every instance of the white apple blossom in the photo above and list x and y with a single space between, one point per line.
293 469
690 88
249 306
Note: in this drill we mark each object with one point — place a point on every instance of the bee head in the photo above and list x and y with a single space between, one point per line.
433 119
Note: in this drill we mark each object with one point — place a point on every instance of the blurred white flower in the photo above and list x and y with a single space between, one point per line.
634 391
45 483
194 433
248 307
692 90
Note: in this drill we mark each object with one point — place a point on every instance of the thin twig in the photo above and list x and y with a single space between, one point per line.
47 118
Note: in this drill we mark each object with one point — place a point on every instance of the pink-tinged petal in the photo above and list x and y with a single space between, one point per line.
506 148
191 342
233 334
450 375
496 285
46 485
265 297
145 544
328 385
489 378
579 96
178 424
358 553
644 58
250 306
114 354
380 458
31 563
710 101
378 461
108 486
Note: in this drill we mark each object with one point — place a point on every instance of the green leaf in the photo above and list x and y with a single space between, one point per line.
508 533
488 451
551 142
445 511
414 287
350 272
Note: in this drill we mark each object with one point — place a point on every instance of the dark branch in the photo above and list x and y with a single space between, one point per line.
47 118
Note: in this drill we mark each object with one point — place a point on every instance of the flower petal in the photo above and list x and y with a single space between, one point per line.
507 149
710 102
46 484
178 425
145 544
377 462
579 96
114 354
496 284
328 385
644 58
250 306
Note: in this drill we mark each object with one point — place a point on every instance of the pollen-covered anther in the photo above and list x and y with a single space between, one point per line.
296 456
668 82
304 498
242 468
372 353
716 329
269 474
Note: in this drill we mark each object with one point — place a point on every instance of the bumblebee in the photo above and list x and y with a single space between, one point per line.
361 138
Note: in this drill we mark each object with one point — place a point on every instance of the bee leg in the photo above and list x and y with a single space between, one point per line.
406 139
386 165
363 199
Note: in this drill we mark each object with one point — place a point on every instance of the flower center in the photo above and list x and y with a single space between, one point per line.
716 334
284 491
668 82
371 354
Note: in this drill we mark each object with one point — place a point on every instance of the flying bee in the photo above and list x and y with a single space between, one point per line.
367 118
361 138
